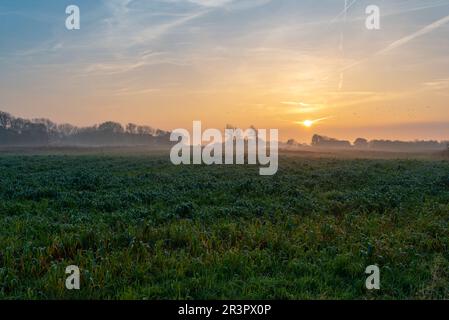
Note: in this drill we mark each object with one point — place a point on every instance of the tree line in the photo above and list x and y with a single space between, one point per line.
15 131
380 145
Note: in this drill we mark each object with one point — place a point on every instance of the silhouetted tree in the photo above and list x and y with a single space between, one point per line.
361 143
5 120
145 130
131 128
323 141
18 131
18 124
389 145
111 127
67 129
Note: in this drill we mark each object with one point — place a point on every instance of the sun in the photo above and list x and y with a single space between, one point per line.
308 123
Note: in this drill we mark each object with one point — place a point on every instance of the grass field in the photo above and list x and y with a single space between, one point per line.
140 228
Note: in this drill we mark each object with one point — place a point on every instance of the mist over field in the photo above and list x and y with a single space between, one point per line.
19 132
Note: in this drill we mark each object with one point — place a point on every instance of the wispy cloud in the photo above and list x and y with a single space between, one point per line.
211 3
437 84
301 107
133 91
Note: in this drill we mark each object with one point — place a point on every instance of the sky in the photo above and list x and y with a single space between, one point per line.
274 64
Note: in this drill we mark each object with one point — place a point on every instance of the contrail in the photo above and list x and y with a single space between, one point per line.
417 34
342 40
398 43
345 11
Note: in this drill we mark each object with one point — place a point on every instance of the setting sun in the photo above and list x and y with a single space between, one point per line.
308 123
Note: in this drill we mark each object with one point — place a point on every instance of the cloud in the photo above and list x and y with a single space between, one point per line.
132 91
438 84
129 63
211 3
226 4
154 32
302 107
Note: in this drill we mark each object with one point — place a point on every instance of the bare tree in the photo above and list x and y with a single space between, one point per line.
5 120
131 128
111 127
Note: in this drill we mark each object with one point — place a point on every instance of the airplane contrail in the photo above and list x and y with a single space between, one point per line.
344 12
417 34
342 40
398 43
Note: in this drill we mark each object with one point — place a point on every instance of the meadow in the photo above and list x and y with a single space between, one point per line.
141 228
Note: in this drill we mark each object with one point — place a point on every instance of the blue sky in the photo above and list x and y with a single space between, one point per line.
268 63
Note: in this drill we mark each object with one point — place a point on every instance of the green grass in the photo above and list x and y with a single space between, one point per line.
141 228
